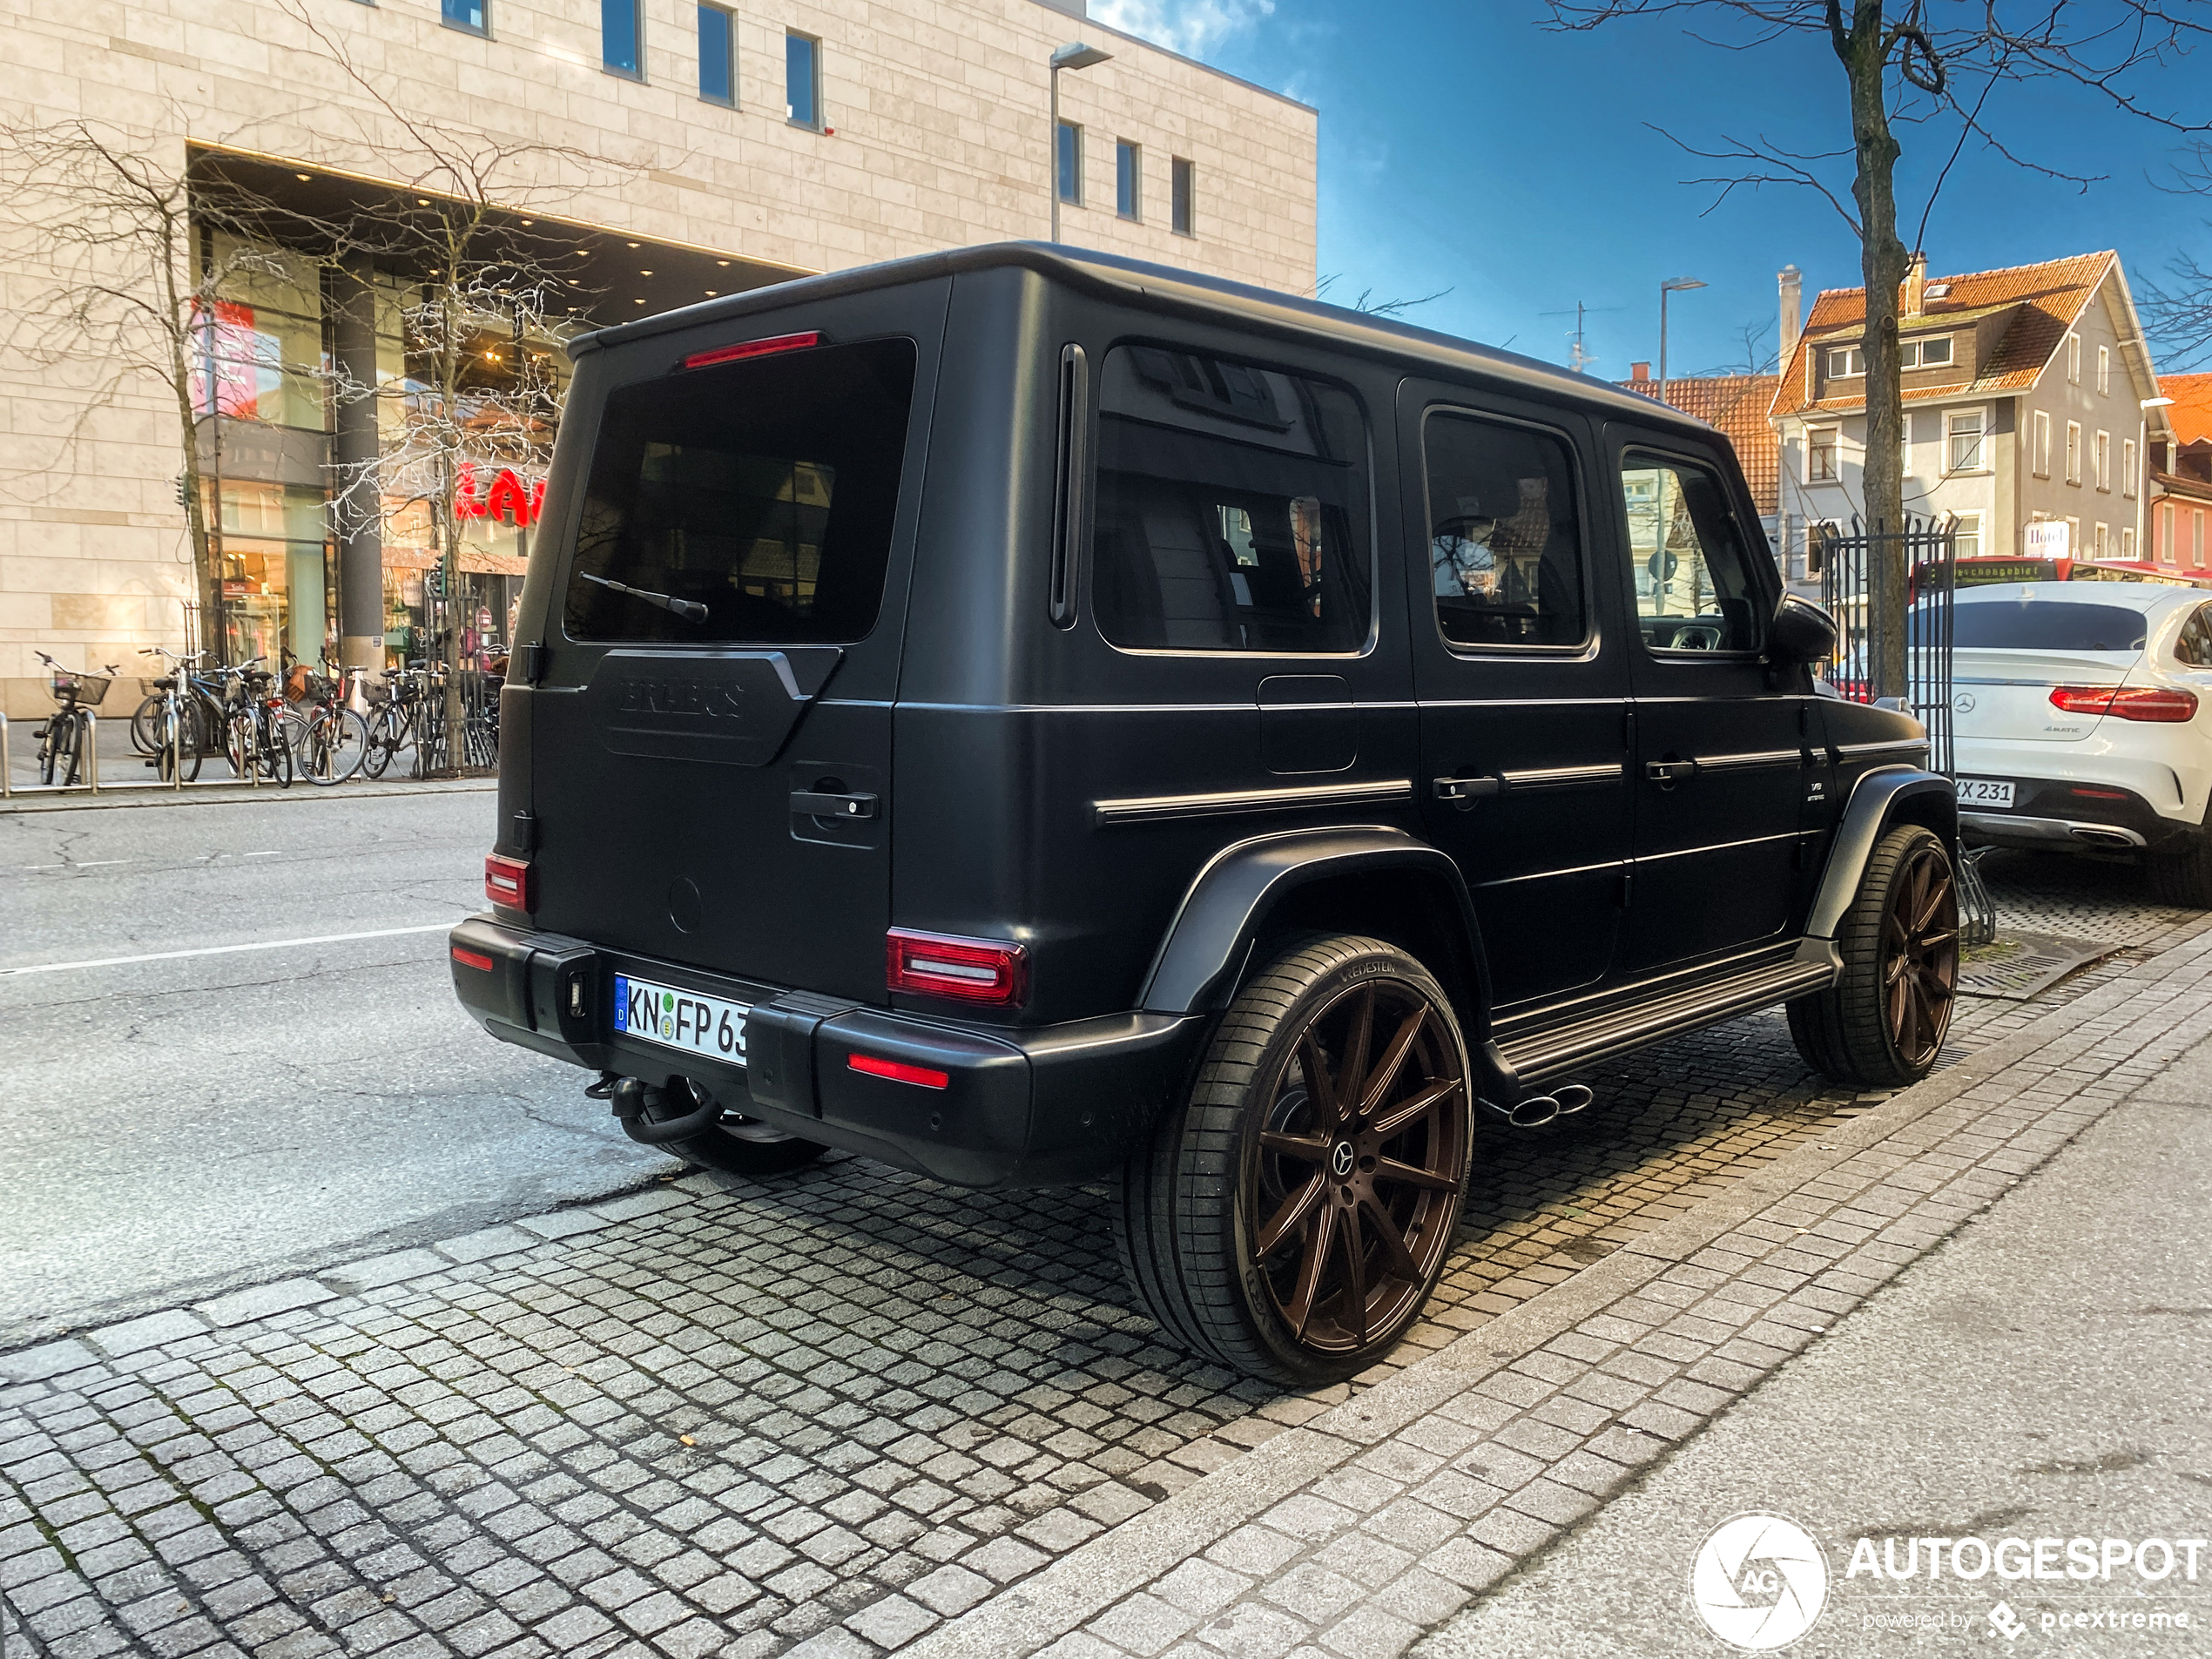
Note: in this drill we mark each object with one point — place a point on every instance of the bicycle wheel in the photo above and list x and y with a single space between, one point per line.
49 744
276 749
149 723
384 740
68 742
178 751
238 743
337 746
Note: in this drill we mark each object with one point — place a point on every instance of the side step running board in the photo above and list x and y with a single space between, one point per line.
1563 1048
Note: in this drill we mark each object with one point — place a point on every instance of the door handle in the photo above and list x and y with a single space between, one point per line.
1463 792
1667 773
815 804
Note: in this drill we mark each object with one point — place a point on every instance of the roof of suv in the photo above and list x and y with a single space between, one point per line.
2151 597
1163 287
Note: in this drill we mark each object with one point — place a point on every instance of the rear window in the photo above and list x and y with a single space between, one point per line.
1231 506
2044 625
759 495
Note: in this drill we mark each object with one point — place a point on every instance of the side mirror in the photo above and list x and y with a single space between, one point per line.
1802 632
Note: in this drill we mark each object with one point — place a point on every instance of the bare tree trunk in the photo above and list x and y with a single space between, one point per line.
1865 48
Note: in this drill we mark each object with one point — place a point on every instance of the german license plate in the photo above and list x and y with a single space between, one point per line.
679 1019
1984 792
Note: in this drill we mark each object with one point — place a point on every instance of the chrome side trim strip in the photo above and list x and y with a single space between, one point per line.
1894 746
1151 809
1750 762
1561 777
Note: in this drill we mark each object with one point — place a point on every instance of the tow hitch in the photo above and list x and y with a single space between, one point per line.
642 1109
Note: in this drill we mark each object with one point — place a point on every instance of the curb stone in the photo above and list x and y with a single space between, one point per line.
143 795
1807 1238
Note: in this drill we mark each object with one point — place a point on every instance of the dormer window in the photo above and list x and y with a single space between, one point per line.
1844 362
1924 353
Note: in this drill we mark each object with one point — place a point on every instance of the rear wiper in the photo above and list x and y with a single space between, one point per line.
689 609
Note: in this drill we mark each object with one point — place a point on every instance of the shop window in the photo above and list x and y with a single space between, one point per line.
257 348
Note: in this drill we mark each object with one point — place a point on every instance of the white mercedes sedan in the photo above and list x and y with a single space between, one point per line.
2084 724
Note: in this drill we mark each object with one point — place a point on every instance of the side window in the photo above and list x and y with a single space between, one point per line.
1231 506
1694 586
1504 542
2194 646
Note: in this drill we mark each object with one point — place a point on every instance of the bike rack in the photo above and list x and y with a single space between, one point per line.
7 783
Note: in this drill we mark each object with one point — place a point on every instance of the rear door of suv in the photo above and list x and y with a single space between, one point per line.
709 738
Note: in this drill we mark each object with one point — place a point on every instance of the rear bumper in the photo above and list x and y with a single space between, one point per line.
1030 1106
2073 818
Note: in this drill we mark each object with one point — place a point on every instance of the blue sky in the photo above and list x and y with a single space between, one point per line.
1464 147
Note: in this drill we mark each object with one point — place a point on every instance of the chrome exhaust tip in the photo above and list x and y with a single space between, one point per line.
1572 1098
1532 1113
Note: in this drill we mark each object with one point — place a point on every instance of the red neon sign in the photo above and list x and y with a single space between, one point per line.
504 497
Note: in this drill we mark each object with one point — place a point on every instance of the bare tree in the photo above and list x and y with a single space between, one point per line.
141 250
465 240
1907 62
2179 309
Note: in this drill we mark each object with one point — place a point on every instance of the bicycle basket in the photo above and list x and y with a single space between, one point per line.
90 688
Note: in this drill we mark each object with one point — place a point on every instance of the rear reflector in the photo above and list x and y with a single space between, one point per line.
2099 795
2127 702
472 958
968 970
507 881
752 349
898 1071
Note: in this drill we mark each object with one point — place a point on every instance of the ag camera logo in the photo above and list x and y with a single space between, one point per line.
1759 1581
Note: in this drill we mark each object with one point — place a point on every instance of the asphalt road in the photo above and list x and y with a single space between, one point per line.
173 1128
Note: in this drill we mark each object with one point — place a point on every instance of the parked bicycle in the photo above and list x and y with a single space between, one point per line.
330 741
255 740
64 739
173 725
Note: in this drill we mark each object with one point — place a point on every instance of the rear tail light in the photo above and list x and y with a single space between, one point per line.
2127 702
899 1071
768 347
508 882
968 970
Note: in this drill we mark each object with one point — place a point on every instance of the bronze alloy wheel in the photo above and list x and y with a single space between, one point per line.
1353 1180
1920 953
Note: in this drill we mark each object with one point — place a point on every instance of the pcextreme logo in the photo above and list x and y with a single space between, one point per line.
1759 1581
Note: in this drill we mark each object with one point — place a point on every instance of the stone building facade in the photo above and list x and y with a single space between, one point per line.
697 148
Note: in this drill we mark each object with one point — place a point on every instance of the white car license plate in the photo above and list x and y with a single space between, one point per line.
679 1019
1984 792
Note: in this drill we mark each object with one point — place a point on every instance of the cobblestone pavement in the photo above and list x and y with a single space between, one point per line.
719 1416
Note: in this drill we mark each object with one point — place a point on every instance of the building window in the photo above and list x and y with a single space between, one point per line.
1967 430
1128 180
2161 533
2073 360
1924 353
1183 208
717 57
2073 452
1966 536
466 14
2073 535
1846 363
2104 371
2100 543
2127 470
1068 164
620 46
2127 543
803 81
2100 458
1821 447
2042 444
2197 539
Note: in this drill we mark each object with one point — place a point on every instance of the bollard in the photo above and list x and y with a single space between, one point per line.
92 747
7 783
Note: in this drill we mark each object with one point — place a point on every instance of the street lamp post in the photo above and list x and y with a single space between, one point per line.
1672 285
1075 55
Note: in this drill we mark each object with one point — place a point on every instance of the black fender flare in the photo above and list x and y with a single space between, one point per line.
1207 945
1878 801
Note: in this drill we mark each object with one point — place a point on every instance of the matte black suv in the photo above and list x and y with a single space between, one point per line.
1030 717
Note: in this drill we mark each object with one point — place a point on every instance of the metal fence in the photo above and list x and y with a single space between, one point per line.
1850 583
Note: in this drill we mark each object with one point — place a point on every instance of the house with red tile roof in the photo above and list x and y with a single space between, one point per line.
2181 480
2029 397
1737 404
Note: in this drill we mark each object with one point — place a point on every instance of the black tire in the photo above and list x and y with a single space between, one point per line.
177 752
147 721
2183 878
1360 1203
332 747
1882 1024
384 740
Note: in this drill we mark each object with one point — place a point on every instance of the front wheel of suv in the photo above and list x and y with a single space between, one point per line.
1291 1217
1882 1023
